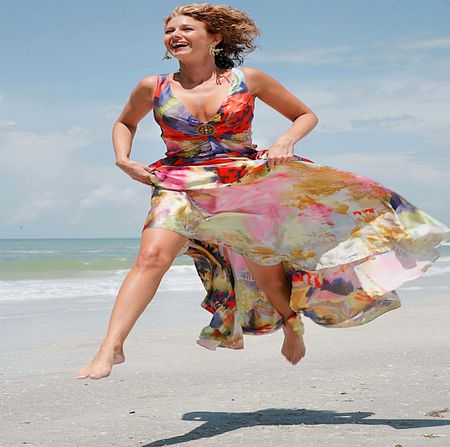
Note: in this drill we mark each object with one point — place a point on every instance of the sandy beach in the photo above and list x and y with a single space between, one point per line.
386 383
314 133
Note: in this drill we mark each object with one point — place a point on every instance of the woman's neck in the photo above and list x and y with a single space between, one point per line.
196 74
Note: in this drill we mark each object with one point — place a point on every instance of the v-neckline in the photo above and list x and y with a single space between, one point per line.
221 104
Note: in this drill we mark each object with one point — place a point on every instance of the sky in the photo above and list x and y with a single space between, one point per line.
374 72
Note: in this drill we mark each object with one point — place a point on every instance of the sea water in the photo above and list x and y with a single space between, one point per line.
56 296
93 269
44 269
63 289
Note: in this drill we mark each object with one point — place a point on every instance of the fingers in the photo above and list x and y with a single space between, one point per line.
145 177
276 161
138 171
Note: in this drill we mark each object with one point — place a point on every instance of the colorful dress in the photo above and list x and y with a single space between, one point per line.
345 241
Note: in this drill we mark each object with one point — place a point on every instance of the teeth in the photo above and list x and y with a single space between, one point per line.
178 45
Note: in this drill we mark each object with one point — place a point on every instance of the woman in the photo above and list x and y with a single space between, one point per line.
271 234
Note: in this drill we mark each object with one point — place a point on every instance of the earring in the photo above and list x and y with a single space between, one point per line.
166 55
213 51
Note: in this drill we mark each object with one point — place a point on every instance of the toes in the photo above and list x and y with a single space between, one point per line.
81 374
88 373
94 376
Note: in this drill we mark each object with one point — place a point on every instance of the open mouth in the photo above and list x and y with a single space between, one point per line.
179 45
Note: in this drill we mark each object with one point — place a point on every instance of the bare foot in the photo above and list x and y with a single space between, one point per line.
293 346
100 366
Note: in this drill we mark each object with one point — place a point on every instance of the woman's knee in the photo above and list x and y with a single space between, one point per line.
153 257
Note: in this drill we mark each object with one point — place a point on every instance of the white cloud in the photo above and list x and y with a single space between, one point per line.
116 206
41 160
404 105
108 194
385 123
426 44
421 171
6 123
409 55
24 149
36 205
30 143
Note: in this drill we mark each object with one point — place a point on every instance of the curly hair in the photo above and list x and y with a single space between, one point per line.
238 30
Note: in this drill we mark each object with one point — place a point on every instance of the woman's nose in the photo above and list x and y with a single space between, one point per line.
177 34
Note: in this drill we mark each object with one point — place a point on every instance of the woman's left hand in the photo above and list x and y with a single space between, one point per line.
281 151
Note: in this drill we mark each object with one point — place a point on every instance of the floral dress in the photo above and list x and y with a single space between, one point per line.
345 241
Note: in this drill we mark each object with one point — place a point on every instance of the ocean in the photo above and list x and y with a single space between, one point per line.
55 290
56 296
93 269
33 269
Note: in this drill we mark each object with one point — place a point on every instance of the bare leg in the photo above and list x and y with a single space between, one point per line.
273 282
157 251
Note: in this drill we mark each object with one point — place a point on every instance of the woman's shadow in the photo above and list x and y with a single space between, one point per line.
217 423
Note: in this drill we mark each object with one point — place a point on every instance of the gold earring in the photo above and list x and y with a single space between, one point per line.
213 51
166 55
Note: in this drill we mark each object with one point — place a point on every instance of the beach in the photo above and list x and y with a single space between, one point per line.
386 383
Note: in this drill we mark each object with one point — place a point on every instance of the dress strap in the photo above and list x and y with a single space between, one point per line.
241 83
159 83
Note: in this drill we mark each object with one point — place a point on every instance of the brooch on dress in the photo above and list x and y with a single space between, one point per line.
205 129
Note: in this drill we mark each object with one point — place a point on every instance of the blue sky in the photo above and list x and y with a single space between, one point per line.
375 73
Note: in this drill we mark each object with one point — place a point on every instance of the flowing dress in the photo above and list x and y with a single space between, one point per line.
345 241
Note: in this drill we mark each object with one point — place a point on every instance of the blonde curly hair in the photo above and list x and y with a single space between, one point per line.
238 30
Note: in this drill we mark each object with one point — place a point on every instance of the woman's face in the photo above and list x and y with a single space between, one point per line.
190 35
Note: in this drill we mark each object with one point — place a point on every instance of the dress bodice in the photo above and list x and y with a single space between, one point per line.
227 133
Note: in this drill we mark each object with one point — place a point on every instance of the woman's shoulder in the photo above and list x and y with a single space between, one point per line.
253 78
251 72
149 83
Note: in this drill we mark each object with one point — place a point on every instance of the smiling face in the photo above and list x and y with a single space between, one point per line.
184 36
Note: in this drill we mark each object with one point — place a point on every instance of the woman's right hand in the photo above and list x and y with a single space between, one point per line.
137 171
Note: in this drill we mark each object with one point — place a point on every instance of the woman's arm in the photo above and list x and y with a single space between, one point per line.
139 104
279 98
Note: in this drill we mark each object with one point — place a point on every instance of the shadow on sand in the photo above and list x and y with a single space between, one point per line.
217 423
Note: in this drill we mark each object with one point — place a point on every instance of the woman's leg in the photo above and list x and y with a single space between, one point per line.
273 282
158 249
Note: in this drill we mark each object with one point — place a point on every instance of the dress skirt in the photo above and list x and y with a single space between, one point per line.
345 241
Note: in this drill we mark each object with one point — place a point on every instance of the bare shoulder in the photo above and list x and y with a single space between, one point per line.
258 81
140 101
274 94
146 87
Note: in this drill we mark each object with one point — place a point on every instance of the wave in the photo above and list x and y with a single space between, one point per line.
99 288
46 268
27 251
58 268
